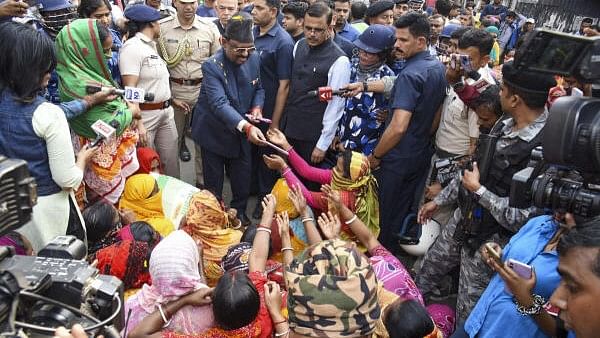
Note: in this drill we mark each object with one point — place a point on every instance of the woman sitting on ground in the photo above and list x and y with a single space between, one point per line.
208 222
238 300
81 47
351 176
143 196
175 269
103 223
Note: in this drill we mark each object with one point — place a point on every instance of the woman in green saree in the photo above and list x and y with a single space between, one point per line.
83 48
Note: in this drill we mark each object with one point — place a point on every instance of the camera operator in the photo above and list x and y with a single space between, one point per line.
37 131
484 213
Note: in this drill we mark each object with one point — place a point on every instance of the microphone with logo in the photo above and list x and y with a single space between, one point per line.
129 93
104 131
325 94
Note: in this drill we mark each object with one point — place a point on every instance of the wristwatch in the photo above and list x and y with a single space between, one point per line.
479 192
365 86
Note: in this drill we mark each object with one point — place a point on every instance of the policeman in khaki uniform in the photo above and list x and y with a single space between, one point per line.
186 42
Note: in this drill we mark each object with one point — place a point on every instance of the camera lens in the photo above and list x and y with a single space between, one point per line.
572 133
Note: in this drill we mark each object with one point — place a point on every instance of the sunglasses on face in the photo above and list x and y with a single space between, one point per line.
242 50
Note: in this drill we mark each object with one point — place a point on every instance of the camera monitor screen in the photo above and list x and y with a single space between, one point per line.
553 52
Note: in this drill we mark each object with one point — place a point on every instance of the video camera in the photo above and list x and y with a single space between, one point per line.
56 288
563 174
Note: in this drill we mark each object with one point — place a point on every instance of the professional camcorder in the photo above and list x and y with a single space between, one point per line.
564 174
56 288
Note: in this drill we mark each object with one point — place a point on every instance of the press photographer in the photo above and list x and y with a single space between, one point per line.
482 193
562 178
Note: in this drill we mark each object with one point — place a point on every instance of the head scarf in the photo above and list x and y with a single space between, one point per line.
126 234
364 185
174 272
332 291
145 158
207 221
136 197
280 191
237 258
126 260
81 62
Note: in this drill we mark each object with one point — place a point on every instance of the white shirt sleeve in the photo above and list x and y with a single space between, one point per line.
338 76
49 122
473 124
131 57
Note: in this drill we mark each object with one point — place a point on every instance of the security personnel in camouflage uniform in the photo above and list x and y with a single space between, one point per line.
186 42
484 213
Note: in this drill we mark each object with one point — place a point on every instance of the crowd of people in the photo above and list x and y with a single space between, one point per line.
334 115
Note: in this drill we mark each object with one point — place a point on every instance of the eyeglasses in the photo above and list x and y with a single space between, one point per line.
242 50
314 30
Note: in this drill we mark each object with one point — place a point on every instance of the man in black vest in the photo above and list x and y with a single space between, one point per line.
484 213
309 124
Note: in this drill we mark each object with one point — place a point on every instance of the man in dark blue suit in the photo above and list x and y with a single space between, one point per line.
231 88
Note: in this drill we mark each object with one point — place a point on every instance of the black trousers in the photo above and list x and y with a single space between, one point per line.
263 178
398 183
239 172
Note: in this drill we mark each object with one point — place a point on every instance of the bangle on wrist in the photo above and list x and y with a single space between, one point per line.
536 308
282 333
280 322
263 229
247 128
308 219
351 220
163 316
287 248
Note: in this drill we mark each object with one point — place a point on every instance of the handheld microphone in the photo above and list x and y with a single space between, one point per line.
104 131
474 75
473 90
147 97
326 93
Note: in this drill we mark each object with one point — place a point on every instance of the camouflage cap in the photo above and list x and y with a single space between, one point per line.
332 291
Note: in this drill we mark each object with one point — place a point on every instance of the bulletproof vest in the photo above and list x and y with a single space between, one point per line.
478 224
303 113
